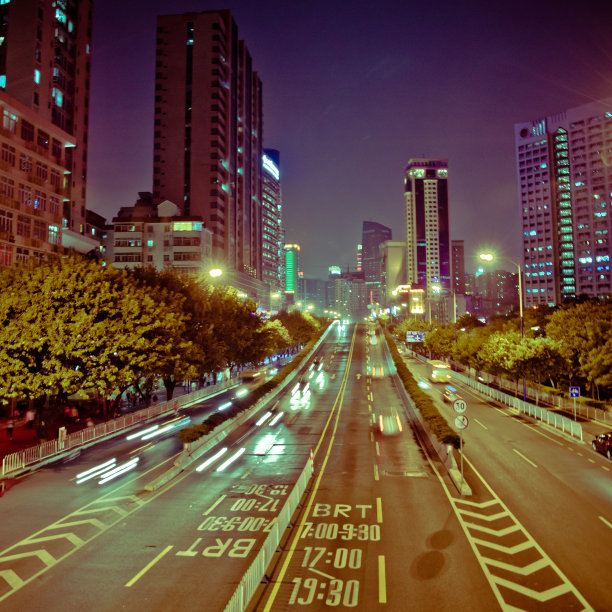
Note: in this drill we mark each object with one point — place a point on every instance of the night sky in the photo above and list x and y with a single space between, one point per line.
352 90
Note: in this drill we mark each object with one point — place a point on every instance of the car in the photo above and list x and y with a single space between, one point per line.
603 444
450 394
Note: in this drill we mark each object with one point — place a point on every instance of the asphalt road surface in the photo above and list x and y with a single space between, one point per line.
380 527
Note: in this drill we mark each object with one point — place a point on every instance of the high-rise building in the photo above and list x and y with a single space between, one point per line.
208 147
427 228
565 186
44 77
458 266
272 232
393 268
372 234
292 272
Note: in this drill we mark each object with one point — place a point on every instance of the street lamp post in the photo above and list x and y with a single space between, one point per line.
491 257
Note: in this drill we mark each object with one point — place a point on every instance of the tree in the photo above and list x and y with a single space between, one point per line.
301 326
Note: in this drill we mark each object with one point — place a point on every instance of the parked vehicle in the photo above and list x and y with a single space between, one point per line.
603 444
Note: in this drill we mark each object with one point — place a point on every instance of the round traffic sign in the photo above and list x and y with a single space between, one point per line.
460 405
461 422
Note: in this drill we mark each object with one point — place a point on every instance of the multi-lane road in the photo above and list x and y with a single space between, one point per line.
380 527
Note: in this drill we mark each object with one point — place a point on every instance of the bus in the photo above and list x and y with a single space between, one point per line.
439 372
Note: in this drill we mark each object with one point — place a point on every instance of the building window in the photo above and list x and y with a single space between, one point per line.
9 122
8 154
24 226
27 131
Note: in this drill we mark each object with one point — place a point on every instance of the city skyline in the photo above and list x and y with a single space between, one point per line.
445 82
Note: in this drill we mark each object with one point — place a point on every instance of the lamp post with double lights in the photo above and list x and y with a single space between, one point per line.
491 257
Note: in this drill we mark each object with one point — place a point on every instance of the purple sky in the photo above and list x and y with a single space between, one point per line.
352 90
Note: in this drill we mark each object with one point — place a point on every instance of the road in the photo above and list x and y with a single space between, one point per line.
381 527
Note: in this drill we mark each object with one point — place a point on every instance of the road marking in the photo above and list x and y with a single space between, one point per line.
296 537
378 510
371 397
316 571
369 407
377 449
591 460
580 454
536 430
483 426
247 473
147 567
605 522
382 580
605 467
525 458
371 436
214 505
376 472
481 545
502 412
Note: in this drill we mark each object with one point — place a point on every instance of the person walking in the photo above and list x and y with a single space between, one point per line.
9 428
29 418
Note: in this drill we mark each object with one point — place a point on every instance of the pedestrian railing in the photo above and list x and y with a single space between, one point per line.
20 460
252 578
551 418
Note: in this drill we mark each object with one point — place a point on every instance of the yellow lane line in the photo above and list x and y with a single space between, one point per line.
147 567
382 581
339 399
376 472
378 510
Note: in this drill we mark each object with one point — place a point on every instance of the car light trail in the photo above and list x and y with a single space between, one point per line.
263 419
276 419
167 428
224 406
231 459
295 389
242 392
96 471
212 459
120 469
141 433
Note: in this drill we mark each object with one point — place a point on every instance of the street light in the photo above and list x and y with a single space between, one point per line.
490 257
215 272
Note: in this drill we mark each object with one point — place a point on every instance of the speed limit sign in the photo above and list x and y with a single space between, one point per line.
460 405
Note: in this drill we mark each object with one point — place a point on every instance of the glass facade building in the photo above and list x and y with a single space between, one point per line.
564 174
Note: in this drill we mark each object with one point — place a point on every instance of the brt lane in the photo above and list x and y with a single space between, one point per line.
557 487
377 530
168 547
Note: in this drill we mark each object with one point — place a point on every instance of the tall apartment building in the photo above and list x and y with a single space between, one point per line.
372 235
458 266
427 227
291 253
272 231
208 134
564 168
393 268
44 95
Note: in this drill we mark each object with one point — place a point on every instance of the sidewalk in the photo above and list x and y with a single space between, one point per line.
25 438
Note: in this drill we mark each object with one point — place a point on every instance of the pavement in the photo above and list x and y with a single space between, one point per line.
24 437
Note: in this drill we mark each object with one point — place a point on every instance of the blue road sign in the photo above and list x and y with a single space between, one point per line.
574 392
415 336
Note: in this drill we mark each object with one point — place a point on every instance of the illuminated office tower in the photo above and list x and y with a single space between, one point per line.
272 232
292 271
458 266
44 85
208 147
427 229
565 189
372 235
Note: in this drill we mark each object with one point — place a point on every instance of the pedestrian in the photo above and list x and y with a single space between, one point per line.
29 418
90 422
9 428
75 414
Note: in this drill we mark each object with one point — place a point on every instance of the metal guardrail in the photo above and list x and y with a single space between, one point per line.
551 418
252 578
20 460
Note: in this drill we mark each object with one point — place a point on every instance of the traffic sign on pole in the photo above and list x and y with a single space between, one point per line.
460 405
574 391
461 422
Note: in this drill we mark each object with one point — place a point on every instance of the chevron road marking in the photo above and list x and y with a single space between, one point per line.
484 540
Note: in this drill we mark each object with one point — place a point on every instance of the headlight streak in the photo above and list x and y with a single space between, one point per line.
140 433
263 419
276 419
96 471
120 469
242 392
231 459
224 406
212 459
295 389
167 428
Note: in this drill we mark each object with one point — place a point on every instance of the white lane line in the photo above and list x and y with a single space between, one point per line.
605 522
536 430
377 449
378 510
376 472
382 580
214 505
523 457
483 426
147 567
